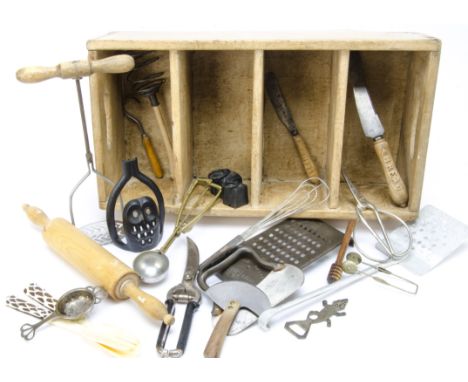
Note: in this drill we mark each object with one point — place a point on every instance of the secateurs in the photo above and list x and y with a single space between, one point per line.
184 293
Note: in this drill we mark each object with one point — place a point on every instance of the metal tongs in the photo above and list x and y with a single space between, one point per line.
184 293
363 206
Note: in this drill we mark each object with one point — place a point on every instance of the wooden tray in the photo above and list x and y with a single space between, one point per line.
220 116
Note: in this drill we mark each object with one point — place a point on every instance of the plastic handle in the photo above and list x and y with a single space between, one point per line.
121 63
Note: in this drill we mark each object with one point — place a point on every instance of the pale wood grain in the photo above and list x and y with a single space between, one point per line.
313 40
222 111
218 118
164 132
182 121
149 304
76 69
257 128
108 127
95 262
337 109
305 79
218 335
307 162
417 121
396 186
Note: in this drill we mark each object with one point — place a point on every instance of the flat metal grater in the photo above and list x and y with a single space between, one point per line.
298 242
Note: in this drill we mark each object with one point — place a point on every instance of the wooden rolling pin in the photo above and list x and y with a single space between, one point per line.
121 63
99 265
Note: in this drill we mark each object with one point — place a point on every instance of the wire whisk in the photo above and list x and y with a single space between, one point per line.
302 198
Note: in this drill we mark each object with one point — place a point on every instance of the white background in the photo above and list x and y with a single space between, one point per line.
385 335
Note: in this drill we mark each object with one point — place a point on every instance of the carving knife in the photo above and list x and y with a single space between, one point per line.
374 129
279 104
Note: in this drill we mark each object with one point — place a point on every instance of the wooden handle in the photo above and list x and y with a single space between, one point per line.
345 242
307 161
95 262
36 215
151 305
335 272
396 186
121 63
220 331
152 157
162 125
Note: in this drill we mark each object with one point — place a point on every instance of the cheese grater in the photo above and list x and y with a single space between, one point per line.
298 242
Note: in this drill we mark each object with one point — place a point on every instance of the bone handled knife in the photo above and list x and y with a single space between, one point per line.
373 128
279 104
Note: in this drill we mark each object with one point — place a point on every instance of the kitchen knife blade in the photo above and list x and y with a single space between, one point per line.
373 128
279 104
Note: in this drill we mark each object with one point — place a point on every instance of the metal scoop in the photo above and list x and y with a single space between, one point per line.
73 305
152 266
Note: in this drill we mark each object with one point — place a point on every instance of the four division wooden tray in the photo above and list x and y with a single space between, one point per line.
220 117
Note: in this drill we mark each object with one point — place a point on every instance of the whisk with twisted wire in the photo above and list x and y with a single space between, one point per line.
308 193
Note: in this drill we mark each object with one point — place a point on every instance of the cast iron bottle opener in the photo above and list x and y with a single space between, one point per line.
183 293
143 219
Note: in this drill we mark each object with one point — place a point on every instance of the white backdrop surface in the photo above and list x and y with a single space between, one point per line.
385 335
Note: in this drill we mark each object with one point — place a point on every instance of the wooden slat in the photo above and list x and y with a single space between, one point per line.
108 127
424 72
336 124
181 117
316 40
257 128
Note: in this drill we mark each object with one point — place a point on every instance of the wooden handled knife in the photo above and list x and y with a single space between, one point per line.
284 115
373 128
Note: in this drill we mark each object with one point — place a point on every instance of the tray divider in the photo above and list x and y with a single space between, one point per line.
181 122
339 84
257 129
417 120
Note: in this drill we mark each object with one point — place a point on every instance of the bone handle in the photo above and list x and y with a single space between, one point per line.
396 186
121 63
307 161
220 331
